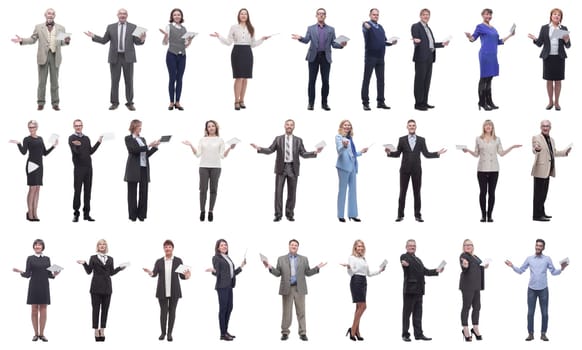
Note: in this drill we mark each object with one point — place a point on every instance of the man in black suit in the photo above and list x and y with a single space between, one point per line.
424 56
168 295
411 146
289 148
121 55
83 173
414 272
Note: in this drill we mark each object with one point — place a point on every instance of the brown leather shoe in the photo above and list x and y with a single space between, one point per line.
113 106
130 107
40 107
56 107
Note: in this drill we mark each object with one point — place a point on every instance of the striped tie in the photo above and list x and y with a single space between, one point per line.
288 149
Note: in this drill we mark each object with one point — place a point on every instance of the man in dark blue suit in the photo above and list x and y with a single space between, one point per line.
322 38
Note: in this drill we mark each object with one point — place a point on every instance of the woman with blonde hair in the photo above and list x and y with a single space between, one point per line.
471 283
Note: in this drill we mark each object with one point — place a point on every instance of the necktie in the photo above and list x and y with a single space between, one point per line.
412 142
430 38
288 149
121 37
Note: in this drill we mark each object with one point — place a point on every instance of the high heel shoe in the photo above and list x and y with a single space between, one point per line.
178 107
478 337
171 107
549 106
242 104
355 219
341 219
358 336
27 218
484 106
469 338
349 332
237 106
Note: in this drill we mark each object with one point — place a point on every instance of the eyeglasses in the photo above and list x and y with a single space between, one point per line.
78 126
32 127
546 126
321 14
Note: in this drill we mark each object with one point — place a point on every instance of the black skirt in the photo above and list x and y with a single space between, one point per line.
554 67
358 287
241 59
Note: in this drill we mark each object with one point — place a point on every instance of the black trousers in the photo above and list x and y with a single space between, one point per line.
471 299
138 209
289 176
100 303
412 305
541 187
83 178
115 70
224 308
167 314
320 63
487 183
375 64
405 177
422 76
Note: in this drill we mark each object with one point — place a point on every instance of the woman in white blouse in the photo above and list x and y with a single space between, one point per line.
211 150
487 146
242 35
358 270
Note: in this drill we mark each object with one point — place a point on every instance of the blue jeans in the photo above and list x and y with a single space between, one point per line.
532 295
176 66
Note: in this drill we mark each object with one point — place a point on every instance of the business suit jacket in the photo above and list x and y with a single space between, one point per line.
40 33
313 37
472 277
222 272
422 52
544 40
283 270
279 146
414 274
112 36
542 162
101 281
346 159
132 166
411 157
160 270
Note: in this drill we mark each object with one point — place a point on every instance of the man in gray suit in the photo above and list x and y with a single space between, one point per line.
289 148
292 268
121 55
48 56
322 38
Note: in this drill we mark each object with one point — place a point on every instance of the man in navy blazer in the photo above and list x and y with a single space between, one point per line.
411 146
121 56
322 38
424 55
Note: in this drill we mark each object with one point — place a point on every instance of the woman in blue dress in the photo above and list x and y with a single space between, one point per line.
489 66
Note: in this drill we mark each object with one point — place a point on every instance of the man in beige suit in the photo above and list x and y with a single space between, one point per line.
292 268
544 148
48 56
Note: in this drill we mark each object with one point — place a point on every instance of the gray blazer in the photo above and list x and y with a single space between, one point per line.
112 36
41 34
283 270
279 146
313 37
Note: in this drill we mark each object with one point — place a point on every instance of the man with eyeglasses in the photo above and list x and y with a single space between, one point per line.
321 38
544 148
83 173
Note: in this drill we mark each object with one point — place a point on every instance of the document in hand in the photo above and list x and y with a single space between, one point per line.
320 144
182 268
54 268
63 35
31 166
559 34
512 30
233 141
461 147
442 265
570 145
263 258
392 39
486 262
383 264
389 146
139 31
53 139
108 136
565 261
189 35
124 265
165 138
341 39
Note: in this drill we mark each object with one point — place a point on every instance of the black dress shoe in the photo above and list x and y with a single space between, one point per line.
419 219
180 108
543 337
423 337
131 107
325 107
76 218
341 219
383 106
429 106
141 219
530 337
88 218
230 335
169 338
35 338
284 336
406 338
202 215
56 107
542 218
290 218
210 216
113 106
421 108
303 337
309 107
355 219
367 108
226 337
277 219
557 108
162 336
398 219
43 338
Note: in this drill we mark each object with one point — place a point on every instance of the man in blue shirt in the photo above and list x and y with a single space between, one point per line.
538 265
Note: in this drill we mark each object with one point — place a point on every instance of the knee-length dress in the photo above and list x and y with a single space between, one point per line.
489 66
36 150
38 286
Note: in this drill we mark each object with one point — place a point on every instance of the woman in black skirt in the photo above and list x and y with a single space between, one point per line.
555 39
358 269
242 35
34 145
38 288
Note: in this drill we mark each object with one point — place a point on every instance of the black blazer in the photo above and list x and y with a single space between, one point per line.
472 277
279 146
544 40
132 167
222 268
411 157
101 281
160 270
422 53
414 274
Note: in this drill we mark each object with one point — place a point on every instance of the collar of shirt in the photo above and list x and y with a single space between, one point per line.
169 259
176 25
374 24
412 137
79 135
38 255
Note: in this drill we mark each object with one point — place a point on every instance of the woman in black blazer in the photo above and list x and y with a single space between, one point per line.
168 296
225 271
102 267
471 283
137 171
553 55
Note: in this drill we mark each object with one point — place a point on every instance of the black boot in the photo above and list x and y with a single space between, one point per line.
488 98
482 94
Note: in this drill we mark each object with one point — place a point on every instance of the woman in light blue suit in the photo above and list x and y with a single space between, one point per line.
347 168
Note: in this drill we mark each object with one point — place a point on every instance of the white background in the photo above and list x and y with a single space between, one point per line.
243 213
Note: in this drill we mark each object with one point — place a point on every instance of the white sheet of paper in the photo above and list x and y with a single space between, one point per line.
63 35
274 34
108 136
52 139
182 268
263 258
54 268
512 30
448 38
383 264
320 144
461 147
486 262
124 265
342 38
139 31
372 144
392 39
441 265
32 166
565 261
233 141
389 146
559 33
570 145
189 35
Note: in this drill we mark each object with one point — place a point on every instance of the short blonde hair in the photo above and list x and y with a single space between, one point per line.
354 253
102 241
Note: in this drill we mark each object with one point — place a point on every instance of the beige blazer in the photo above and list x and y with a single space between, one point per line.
542 162
41 34
283 270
